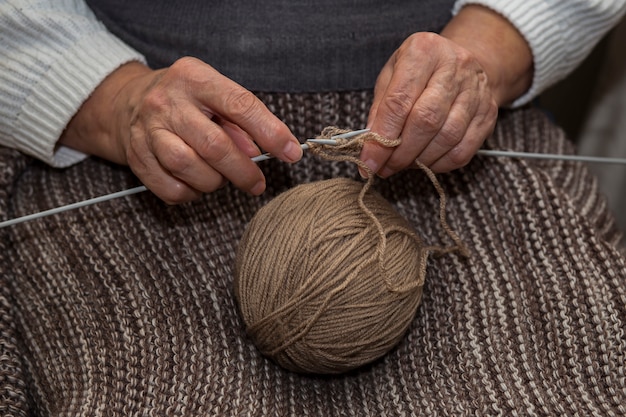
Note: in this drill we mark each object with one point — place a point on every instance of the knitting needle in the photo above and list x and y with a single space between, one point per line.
305 145
142 188
508 154
532 155
73 206
263 157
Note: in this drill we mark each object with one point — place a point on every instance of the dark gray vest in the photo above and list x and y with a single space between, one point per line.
275 45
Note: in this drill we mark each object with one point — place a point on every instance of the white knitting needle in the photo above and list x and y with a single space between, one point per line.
304 146
140 189
508 154
72 206
550 156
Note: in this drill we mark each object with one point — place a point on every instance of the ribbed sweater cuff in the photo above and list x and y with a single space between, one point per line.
61 92
535 21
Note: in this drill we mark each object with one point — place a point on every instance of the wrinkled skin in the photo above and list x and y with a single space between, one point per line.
187 129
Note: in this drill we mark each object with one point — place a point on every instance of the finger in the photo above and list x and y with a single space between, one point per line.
148 169
477 132
372 148
449 136
242 140
218 150
456 121
183 163
428 119
393 109
408 79
239 106
382 82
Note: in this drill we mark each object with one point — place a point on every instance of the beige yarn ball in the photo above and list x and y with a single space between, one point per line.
326 281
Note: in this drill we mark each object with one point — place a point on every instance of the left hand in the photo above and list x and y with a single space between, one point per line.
435 96
440 93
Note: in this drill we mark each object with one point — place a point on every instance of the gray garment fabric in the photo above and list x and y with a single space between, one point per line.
277 45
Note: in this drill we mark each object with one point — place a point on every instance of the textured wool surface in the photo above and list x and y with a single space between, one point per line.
328 279
126 308
328 275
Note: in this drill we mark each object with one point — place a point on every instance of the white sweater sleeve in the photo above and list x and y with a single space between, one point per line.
53 54
561 33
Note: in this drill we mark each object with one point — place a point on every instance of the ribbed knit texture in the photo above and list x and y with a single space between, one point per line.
126 308
52 57
560 33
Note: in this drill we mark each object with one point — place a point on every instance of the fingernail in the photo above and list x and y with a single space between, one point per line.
258 188
372 165
293 152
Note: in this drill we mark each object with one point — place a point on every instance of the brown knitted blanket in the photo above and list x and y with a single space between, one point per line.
126 308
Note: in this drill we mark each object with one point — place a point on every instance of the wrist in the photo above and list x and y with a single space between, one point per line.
498 46
101 125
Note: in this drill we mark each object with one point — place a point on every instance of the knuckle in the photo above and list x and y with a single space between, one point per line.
464 57
215 148
178 194
278 129
212 183
240 104
492 111
459 156
428 118
421 38
178 159
451 133
154 101
190 74
184 65
398 103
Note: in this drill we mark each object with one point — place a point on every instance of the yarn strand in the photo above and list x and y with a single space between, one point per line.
325 285
349 150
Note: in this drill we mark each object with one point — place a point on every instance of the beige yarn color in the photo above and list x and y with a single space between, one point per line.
328 275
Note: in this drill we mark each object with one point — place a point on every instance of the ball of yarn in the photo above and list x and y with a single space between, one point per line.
327 279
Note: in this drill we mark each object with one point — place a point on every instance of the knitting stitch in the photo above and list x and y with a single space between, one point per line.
126 308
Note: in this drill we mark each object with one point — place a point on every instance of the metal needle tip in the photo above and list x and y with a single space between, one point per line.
323 141
333 139
350 134
267 156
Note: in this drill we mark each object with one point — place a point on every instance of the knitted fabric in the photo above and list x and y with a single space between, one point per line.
126 308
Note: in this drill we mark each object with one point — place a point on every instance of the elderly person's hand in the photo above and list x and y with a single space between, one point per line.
184 130
440 93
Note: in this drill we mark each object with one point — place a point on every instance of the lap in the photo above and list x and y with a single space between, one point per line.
127 306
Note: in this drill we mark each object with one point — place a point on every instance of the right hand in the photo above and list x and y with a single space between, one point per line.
184 130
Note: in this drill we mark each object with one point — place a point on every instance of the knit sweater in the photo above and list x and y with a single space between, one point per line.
126 308
54 53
